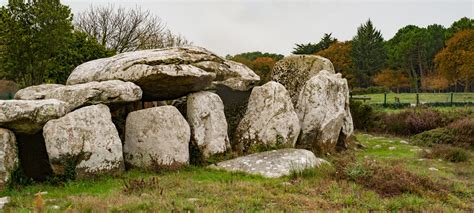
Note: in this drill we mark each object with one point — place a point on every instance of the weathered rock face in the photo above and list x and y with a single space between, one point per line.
156 137
270 120
86 139
323 109
106 92
166 74
273 164
8 155
293 71
205 113
24 116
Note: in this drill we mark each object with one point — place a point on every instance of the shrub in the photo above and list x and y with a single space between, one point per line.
386 181
449 153
363 115
458 133
410 122
137 186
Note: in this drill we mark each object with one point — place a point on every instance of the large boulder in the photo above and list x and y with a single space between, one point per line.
106 92
270 120
273 164
166 74
205 113
86 140
156 138
293 71
29 116
8 155
323 109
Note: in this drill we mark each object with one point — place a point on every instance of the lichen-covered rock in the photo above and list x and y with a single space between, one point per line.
273 164
85 139
29 116
156 138
8 155
205 113
293 71
106 92
270 120
323 110
166 74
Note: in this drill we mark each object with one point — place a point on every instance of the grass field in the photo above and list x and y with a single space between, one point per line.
203 189
424 97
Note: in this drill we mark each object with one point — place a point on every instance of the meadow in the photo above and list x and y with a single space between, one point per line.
423 97
436 185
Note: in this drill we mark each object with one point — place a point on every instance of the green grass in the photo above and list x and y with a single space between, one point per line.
202 189
424 97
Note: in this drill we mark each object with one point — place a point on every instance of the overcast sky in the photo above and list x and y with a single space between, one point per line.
230 27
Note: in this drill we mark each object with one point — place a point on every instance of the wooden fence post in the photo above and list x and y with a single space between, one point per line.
452 94
385 99
417 99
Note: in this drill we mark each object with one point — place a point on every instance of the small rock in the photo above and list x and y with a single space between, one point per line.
390 141
392 148
193 199
421 159
404 142
377 147
55 207
3 201
440 159
433 169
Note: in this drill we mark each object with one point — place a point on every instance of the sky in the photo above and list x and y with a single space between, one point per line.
236 26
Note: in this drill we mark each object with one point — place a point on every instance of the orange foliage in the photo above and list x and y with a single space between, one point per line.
434 82
391 79
340 55
456 61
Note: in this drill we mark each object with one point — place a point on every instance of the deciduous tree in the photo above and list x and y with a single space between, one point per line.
340 55
391 79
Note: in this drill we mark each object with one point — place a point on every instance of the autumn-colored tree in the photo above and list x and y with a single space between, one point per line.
391 79
340 55
455 62
434 82
263 67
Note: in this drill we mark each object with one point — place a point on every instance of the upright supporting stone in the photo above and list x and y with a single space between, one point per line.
8 155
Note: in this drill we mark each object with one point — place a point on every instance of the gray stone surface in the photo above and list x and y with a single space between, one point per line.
270 120
323 110
156 137
293 71
106 92
29 116
166 74
273 164
8 155
86 137
205 114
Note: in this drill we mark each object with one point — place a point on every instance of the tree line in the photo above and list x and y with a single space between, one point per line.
40 42
431 58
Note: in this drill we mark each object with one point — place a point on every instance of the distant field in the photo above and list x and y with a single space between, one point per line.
424 97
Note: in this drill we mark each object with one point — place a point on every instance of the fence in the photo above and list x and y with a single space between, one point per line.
401 100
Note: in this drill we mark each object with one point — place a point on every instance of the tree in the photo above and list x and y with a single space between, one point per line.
368 53
464 23
33 35
391 79
263 67
435 82
251 56
311 48
455 62
340 55
123 30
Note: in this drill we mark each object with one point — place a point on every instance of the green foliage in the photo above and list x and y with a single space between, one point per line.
464 23
38 44
311 48
363 115
458 133
18 179
369 90
251 56
447 152
368 53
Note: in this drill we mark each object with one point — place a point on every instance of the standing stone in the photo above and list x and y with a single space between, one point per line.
270 120
167 74
323 110
293 71
8 155
25 116
156 138
205 112
85 139
106 92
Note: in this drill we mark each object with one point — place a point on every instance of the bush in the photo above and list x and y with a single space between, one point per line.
458 133
410 122
446 152
363 115
386 181
369 90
